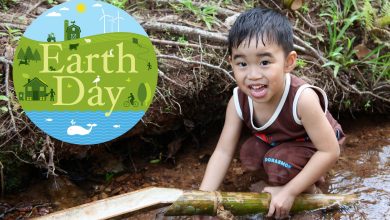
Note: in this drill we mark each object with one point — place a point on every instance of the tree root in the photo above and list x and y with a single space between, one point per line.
168 42
184 30
221 11
35 6
197 62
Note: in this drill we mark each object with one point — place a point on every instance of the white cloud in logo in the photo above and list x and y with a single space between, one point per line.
97 5
53 14
64 9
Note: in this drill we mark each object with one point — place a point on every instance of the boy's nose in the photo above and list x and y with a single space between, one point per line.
254 73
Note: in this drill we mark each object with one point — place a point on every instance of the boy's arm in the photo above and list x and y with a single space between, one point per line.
224 151
324 139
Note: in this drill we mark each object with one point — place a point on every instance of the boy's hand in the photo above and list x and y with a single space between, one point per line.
281 202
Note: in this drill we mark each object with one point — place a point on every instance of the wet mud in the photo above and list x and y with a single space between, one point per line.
363 169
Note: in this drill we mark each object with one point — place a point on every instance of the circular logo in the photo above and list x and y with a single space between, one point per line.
85 72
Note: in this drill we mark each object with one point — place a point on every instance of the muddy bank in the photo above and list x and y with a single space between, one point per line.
362 169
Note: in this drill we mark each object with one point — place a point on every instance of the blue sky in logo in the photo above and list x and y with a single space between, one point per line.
93 18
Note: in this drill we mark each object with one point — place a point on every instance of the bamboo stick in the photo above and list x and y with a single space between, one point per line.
191 202
242 203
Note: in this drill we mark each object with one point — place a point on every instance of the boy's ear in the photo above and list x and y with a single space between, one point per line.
290 63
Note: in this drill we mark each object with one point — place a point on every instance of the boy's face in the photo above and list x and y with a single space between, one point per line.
260 70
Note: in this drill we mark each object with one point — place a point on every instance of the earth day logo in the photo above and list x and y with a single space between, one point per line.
85 72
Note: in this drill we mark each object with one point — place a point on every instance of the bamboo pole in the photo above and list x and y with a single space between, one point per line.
191 202
243 203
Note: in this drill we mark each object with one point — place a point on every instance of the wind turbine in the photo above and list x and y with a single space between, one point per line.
112 21
117 19
104 20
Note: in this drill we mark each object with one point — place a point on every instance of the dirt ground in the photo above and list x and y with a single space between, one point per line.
364 158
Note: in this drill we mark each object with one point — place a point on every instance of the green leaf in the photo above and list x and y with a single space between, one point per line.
330 63
155 161
208 25
336 67
346 26
374 51
338 50
4 98
367 105
336 70
3 109
320 37
109 176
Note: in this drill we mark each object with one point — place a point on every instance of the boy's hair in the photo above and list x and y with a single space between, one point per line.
264 24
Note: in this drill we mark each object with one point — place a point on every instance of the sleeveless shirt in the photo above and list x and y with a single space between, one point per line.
284 125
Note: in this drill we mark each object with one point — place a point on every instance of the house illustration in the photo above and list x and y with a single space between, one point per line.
71 31
35 90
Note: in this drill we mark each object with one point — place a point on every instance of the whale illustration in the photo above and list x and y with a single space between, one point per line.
75 129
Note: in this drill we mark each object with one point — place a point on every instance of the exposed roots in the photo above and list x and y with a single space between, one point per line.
18 135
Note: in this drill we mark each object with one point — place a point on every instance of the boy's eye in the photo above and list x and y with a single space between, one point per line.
241 64
264 62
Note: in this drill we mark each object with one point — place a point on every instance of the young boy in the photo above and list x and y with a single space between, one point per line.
295 140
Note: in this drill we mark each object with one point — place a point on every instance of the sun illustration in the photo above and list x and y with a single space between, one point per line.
80 8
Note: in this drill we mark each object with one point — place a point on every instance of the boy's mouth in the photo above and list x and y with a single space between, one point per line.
258 91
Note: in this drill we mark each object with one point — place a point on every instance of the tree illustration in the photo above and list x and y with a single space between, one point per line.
37 56
29 54
142 93
21 54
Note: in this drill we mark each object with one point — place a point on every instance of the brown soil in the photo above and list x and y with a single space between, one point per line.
364 159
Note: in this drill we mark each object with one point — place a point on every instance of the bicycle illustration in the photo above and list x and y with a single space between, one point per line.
131 101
